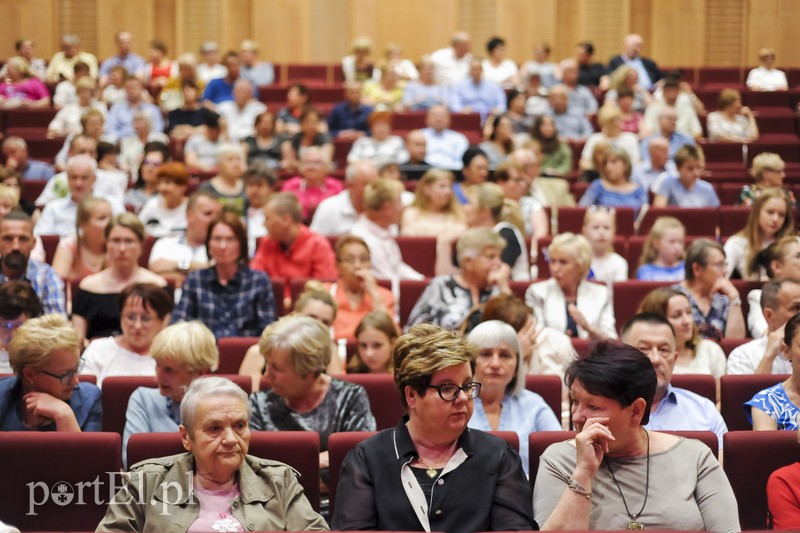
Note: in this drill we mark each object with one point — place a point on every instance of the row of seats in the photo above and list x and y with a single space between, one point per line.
42 492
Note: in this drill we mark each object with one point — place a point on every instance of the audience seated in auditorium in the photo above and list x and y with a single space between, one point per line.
84 252
405 458
500 142
779 260
716 305
229 297
770 218
674 95
556 155
766 77
172 95
537 103
777 406
45 393
663 252
581 99
732 121
358 65
421 94
92 125
667 119
18 304
417 149
144 309
546 191
610 121
380 146
355 291
695 355
654 164
567 302
646 68
220 90
114 90
385 93
95 312
159 68
259 73
629 117
627 77
600 229
15 151
288 118
182 352
452 301
241 112
290 250
500 369
615 188
547 70
590 73
145 188
59 215
228 185
497 68
119 123
209 68
443 146
435 211
259 184
265 146
516 185
62 65
125 57
686 188
348 119
768 171
311 135
780 300
131 147
110 183
175 256
451 64
202 150
521 121
297 350
673 408
375 336
313 185
404 68
20 88
68 119
16 244
65 92
165 214
571 126
336 214
476 94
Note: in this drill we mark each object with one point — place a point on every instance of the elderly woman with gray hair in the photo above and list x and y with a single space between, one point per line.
504 403
297 350
449 300
566 301
228 489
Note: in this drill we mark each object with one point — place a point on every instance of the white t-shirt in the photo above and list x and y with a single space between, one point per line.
104 358
175 248
609 269
501 73
159 221
745 358
765 79
709 359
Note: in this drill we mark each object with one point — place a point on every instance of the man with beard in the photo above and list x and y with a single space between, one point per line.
16 243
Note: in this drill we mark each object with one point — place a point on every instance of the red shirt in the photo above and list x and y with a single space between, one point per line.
309 256
310 197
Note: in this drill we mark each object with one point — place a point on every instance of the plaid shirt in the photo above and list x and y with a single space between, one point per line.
242 308
47 285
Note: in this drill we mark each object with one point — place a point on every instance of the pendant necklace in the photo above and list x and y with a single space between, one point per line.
634 523
431 471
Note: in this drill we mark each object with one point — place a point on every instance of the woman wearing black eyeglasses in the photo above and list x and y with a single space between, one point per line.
45 394
431 473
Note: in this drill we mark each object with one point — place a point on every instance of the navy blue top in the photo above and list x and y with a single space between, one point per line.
85 403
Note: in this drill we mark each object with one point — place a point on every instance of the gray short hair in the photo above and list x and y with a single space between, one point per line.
472 242
306 340
491 334
208 387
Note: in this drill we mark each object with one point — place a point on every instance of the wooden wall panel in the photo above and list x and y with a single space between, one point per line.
31 19
112 16
76 17
606 22
281 28
725 32
526 23
678 38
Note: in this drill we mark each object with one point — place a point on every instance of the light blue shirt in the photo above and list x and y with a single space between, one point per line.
133 63
651 272
571 125
483 97
119 123
702 195
676 142
419 96
683 410
597 194
149 412
523 413
445 148
260 74
645 175
582 100
644 76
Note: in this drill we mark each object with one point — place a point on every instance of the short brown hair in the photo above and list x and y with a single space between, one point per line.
173 171
233 221
127 220
154 298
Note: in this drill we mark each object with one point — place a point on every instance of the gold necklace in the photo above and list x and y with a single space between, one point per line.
432 470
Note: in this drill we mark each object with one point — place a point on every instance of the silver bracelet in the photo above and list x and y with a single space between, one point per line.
577 488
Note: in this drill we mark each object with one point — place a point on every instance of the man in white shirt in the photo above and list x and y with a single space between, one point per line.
241 112
337 215
58 217
451 64
780 300
766 77
378 227
175 256
443 146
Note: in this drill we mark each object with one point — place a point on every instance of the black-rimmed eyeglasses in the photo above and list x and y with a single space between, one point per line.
449 391
67 376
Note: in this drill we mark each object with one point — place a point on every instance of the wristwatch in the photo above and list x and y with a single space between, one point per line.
183 265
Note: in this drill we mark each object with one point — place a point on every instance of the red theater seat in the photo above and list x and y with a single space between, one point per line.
232 351
703 384
698 222
410 291
419 253
735 390
629 294
571 219
384 399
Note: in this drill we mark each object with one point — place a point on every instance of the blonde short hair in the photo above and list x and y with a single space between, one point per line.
607 113
190 343
9 194
474 241
35 341
425 350
576 245
306 340
381 191
766 160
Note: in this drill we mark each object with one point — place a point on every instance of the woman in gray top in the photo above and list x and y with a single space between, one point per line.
617 475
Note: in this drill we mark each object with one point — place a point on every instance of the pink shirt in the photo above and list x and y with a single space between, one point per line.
31 89
215 510
310 197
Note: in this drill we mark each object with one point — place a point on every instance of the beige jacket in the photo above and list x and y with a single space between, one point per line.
271 498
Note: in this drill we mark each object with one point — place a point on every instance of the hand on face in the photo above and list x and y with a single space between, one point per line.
44 407
500 275
591 444
724 286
